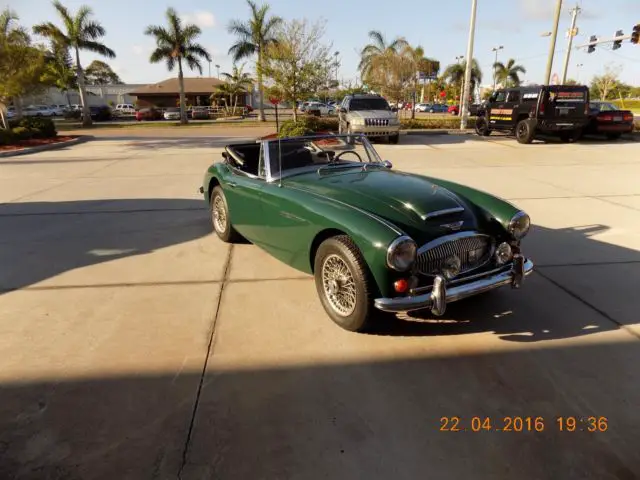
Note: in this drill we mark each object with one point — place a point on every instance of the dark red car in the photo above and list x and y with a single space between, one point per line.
453 109
148 114
607 119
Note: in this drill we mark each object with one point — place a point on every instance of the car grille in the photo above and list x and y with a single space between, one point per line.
473 252
376 122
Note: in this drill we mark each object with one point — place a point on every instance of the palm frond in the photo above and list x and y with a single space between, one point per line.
66 17
82 17
240 29
97 47
190 32
241 50
197 50
93 30
161 53
378 39
51 31
193 63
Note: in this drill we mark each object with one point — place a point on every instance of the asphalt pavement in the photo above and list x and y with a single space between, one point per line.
136 345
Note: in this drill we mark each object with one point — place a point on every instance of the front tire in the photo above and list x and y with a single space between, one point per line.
482 127
220 218
525 131
343 283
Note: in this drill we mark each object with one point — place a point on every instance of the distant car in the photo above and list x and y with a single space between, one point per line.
148 114
319 109
171 113
607 119
200 113
453 109
422 107
438 108
100 113
38 111
59 109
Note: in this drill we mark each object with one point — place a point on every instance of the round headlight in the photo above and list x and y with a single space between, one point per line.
401 253
503 253
519 225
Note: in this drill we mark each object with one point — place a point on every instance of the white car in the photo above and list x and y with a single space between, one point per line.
322 107
172 113
58 110
125 109
38 111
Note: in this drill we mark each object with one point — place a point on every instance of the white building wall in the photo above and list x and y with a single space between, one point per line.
97 95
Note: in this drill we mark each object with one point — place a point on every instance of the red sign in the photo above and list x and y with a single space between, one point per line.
275 100
443 94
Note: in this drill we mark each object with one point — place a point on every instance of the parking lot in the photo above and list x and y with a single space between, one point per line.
136 345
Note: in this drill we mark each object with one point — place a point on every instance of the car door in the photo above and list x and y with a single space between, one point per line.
243 192
497 110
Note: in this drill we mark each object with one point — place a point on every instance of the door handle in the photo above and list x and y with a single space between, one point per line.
232 184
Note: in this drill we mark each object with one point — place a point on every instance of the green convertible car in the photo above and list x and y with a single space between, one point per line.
373 237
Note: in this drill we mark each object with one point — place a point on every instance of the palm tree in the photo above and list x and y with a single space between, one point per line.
254 37
417 62
381 63
175 44
238 83
81 33
454 74
9 31
507 74
59 70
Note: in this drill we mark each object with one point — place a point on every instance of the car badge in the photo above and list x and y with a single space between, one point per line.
455 226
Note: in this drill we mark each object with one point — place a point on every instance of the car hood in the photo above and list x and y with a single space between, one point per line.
372 114
408 201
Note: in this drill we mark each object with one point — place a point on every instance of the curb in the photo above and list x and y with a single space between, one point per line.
436 132
42 148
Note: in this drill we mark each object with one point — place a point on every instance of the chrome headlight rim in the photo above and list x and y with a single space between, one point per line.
515 229
503 254
393 248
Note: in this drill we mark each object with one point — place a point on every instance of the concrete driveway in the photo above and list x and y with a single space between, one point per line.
135 345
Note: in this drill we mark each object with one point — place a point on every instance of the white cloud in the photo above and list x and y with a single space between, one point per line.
545 9
138 49
201 18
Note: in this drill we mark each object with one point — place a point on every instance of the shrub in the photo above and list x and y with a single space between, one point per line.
72 114
22 133
307 125
6 137
436 123
40 127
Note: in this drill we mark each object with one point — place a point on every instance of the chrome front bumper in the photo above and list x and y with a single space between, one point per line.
440 295
376 131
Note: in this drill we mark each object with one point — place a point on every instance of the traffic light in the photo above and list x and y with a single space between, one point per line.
635 35
592 46
617 43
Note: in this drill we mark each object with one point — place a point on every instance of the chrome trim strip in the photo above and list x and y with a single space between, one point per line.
440 213
455 281
453 294
449 238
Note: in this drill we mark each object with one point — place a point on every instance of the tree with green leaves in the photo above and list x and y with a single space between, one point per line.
79 32
100 73
383 67
299 63
22 64
59 70
237 83
454 74
254 37
176 44
508 74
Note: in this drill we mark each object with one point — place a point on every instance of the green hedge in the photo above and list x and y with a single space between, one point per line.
628 104
6 137
436 123
33 127
307 125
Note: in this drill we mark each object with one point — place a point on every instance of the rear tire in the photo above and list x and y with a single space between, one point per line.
525 131
220 218
343 283
394 139
613 136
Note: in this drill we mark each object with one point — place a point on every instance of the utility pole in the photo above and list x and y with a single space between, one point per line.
209 69
464 108
459 59
572 32
218 69
495 49
552 47
578 66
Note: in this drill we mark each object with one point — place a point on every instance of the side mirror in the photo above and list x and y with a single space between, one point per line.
387 164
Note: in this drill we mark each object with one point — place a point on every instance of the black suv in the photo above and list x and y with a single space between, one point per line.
541 109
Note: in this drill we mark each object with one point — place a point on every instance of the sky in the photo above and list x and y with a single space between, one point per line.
441 28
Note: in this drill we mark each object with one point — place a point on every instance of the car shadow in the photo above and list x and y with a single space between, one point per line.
43 239
593 272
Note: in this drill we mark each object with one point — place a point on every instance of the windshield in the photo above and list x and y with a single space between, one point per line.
172 109
369 104
307 154
603 107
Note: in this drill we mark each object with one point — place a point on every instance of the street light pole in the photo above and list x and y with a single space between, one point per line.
552 46
335 54
459 59
495 49
578 66
467 72
572 32
218 69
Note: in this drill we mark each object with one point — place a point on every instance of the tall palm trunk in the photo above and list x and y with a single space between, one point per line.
82 89
261 116
183 107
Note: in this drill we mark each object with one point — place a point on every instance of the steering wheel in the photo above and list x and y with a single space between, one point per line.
348 151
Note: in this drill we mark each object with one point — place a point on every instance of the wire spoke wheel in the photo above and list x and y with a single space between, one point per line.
219 214
339 285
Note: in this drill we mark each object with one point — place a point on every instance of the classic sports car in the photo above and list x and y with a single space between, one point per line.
372 237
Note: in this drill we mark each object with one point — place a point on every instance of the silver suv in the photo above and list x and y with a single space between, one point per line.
370 115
